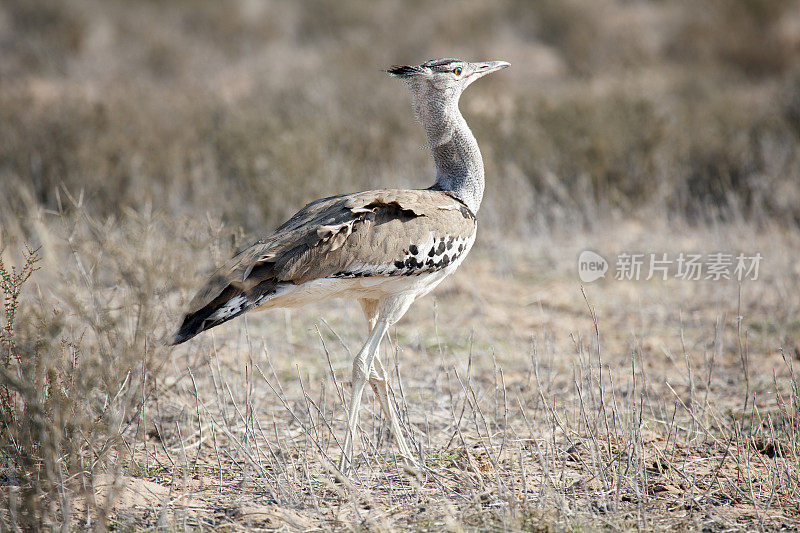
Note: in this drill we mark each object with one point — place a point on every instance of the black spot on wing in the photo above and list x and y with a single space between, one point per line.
466 213
346 274
443 252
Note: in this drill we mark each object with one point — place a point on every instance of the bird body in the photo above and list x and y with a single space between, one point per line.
384 248
364 245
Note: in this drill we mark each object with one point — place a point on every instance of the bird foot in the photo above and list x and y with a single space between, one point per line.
406 463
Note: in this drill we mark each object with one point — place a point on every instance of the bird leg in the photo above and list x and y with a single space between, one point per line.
379 379
362 365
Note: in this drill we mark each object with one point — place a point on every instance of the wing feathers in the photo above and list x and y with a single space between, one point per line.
325 238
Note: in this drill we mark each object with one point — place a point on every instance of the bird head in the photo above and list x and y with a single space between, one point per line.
446 76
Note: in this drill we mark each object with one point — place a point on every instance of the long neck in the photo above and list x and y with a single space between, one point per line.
459 165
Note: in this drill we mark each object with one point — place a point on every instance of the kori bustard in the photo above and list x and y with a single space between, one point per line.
385 248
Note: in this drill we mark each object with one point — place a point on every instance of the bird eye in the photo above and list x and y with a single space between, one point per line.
457 71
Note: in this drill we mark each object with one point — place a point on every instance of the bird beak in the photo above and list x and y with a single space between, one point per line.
486 67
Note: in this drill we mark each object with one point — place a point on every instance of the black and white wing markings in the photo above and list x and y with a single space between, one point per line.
432 256
387 232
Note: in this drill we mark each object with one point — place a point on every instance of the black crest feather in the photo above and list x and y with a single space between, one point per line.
403 70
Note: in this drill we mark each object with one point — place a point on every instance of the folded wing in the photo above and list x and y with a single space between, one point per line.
329 237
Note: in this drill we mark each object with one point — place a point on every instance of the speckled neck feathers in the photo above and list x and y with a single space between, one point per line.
459 165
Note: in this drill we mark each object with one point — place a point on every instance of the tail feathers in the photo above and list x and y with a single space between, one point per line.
230 304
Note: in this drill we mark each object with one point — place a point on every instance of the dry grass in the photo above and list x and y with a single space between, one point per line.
532 405
143 143
632 108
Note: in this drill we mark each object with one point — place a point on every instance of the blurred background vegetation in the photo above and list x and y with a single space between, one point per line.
246 110
141 142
